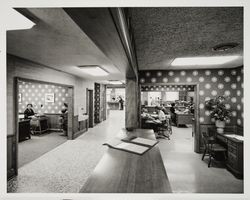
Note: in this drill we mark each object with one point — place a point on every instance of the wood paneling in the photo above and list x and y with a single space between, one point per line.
11 156
79 127
132 103
53 121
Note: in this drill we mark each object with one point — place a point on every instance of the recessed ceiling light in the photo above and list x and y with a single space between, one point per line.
225 46
214 60
115 82
17 21
93 70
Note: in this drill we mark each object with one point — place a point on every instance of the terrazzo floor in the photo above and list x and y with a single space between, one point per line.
186 171
66 168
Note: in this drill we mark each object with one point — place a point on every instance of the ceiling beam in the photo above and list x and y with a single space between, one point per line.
99 25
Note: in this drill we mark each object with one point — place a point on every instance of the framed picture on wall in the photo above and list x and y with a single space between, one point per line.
50 97
19 98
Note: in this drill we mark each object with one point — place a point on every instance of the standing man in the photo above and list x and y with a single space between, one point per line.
121 102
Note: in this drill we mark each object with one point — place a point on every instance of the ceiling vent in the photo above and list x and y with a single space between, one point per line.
225 46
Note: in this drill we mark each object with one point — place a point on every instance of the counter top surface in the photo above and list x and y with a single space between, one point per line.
123 172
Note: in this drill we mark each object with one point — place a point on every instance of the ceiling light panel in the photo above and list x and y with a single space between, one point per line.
215 60
94 70
115 82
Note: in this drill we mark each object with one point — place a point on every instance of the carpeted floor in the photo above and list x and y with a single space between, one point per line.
32 149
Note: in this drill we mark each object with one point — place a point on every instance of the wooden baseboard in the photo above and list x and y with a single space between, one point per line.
78 133
55 129
11 174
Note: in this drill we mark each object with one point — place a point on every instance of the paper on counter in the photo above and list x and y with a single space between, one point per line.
144 141
132 147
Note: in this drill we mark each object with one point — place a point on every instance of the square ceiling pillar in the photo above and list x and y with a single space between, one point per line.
132 103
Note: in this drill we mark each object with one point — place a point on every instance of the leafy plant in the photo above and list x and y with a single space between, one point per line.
218 108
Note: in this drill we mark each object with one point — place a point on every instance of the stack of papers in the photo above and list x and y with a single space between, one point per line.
135 145
133 148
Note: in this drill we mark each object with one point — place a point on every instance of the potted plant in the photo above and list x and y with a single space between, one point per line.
219 112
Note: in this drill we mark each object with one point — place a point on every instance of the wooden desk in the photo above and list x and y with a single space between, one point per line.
39 125
24 129
123 172
113 105
184 119
234 152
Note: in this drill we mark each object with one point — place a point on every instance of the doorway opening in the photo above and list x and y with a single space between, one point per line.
90 107
179 102
43 118
115 97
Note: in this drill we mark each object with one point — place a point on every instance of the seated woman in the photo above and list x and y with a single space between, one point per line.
28 113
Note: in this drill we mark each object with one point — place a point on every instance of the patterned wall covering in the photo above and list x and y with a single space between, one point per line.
165 88
34 93
100 102
97 103
212 83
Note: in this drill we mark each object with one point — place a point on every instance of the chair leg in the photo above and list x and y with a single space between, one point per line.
204 153
225 155
209 163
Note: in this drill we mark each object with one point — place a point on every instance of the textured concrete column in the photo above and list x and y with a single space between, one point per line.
132 103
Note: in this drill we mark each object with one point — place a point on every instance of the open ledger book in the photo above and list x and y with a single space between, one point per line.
135 145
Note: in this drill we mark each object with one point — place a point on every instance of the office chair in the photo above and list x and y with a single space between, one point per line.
165 128
211 147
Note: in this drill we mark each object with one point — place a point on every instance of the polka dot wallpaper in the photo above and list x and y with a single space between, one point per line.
100 103
34 93
158 88
212 83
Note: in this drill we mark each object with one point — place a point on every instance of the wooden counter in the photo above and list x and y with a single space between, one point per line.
123 172
113 105
184 119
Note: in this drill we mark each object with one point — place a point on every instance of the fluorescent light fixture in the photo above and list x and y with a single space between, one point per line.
115 82
93 70
17 21
214 60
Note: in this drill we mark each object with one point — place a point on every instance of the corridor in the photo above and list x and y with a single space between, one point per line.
66 168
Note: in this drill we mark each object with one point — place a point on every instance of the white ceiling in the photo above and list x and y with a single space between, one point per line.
162 34
56 41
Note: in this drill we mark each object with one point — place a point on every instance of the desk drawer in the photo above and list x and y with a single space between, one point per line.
232 150
231 143
232 160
